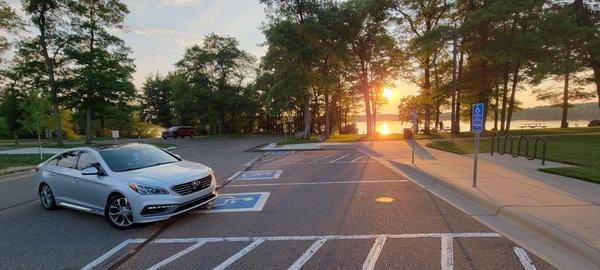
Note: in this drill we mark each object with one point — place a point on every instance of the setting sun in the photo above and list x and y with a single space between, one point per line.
384 129
387 92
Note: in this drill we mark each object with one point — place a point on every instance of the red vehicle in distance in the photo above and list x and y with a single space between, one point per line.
179 132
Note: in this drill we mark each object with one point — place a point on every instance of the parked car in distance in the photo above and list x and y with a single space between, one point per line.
179 132
127 184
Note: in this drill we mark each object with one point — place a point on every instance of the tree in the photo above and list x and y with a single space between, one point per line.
104 69
562 38
9 22
157 101
35 107
291 22
216 74
421 21
46 17
588 20
372 51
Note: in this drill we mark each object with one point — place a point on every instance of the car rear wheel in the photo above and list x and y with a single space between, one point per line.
118 212
47 197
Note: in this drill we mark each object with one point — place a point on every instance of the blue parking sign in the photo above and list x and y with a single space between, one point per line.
237 202
477 117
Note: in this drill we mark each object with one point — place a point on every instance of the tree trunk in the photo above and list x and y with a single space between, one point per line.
88 125
497 103
596 68
327 115
504 98
457 110
89 87
565 104
306 119
511 105
426 93
51 80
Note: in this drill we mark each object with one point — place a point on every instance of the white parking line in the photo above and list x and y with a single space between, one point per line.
108 254
319 183
447 258
524 258
354 160
371 259
339 158
238 255
307 254
447 254
177 255
322 158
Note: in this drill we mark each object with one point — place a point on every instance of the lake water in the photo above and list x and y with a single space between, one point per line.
397 126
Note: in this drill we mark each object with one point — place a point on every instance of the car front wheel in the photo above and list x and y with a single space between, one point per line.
118 212
47 197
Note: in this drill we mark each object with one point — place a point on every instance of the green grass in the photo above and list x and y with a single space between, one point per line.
577 149
8 161
218 137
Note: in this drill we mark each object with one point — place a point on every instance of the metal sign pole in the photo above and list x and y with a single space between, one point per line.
414 129
477 127
475 160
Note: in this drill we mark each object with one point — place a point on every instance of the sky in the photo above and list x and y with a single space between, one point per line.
159 31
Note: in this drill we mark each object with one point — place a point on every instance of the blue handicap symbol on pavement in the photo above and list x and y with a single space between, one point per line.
477 117
258 175
238 202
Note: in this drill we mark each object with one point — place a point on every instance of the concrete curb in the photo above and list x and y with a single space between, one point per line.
14 170
581 254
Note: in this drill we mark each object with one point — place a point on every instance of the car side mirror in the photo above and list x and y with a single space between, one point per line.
90 171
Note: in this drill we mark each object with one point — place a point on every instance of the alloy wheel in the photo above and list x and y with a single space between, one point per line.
120 212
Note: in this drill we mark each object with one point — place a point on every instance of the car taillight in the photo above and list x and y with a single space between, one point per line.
36 169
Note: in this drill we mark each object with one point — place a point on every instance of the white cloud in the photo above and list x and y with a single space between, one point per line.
164 3
181 38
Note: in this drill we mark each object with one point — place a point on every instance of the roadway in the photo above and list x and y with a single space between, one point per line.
328 209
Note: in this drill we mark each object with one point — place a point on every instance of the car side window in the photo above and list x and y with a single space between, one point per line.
54 161
86 160
68 160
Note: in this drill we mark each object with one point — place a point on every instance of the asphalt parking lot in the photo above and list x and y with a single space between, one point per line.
335 209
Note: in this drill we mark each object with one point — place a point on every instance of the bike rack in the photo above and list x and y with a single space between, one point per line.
497 142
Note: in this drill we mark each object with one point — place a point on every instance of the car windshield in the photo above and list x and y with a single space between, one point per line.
128 158
172 129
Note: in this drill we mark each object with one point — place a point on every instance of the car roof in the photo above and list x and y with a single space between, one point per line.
100 147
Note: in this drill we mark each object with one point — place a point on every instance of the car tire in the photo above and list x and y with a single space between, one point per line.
118 212
47 197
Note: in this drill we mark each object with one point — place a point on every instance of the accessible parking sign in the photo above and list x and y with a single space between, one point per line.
237 202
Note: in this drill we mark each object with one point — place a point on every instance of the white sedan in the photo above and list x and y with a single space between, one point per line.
128 183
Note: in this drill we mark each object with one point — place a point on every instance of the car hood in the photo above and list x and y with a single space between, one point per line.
167 173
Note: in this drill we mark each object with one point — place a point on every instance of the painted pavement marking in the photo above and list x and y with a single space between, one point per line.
238 255
307 254
321 183
524 258
339 158
371 260
446 242
237 202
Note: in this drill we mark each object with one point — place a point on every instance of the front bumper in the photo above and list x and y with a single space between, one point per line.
152 208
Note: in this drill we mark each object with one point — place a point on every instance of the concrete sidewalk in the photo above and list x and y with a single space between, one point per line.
564 212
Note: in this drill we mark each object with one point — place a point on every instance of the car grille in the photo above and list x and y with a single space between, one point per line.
193 186
195 202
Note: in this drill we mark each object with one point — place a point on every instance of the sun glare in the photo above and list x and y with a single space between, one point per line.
387 92
384 129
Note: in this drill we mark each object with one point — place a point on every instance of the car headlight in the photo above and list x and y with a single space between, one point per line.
147 190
